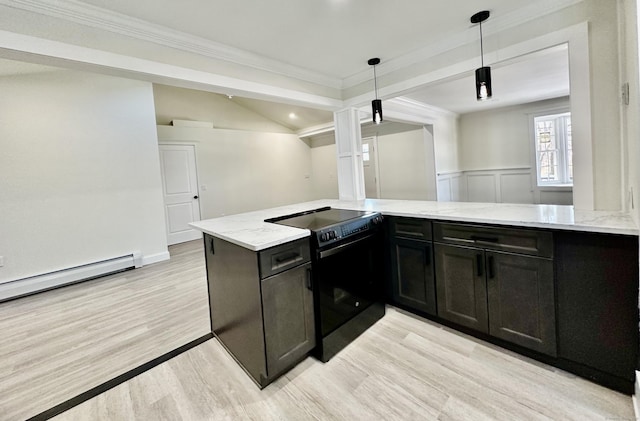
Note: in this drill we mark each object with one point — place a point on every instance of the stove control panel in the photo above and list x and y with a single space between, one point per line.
347 229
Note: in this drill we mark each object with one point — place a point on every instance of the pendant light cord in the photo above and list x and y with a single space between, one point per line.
375 81
481 47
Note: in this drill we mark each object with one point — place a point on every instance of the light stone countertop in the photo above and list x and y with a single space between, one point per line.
250 231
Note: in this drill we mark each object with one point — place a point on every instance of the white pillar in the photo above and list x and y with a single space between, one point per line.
349 154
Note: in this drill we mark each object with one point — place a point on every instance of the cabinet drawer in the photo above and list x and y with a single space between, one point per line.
283 257
416 228
521 241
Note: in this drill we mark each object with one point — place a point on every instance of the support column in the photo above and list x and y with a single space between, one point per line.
349 154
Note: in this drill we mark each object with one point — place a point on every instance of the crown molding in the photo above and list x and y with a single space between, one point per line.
451 41
107 20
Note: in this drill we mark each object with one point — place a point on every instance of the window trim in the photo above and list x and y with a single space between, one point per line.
540 185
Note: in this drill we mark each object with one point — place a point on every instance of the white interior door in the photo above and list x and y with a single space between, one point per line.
180 189
370 167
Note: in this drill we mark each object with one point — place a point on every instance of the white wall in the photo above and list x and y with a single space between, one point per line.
500 138
79 171
402 166
245 170
496 156
187 104
324 168
446 143
401 162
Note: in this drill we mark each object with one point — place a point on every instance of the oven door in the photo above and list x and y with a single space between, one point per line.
348 279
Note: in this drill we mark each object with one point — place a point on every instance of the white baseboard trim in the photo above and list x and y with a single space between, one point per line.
636 396
38 283
155 258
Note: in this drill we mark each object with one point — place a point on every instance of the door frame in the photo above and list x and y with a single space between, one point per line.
195 158
376 172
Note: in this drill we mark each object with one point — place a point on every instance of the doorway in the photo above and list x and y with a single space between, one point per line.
370 167
180 192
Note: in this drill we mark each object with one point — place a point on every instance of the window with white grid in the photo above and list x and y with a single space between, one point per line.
554 153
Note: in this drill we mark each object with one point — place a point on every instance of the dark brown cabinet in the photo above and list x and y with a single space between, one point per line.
572 296
507 295
287 307
462 286
412 278
597 284
261 305
520 296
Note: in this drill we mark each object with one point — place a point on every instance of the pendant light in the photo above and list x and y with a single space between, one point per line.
483 74
376 104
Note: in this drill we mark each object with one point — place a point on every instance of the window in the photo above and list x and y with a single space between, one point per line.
365 152
554 155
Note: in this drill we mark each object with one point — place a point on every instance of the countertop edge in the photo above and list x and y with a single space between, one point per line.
520 224
248 230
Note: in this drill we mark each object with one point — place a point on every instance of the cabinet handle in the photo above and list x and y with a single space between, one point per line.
479 264
309 281
484 239
491 267
211 243
288 258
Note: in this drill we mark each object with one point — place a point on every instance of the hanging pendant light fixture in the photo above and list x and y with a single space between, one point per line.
376 104
483 74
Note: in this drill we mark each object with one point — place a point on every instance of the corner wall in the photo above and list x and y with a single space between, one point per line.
80 172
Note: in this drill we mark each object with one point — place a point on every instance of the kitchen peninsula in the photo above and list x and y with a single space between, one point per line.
547 281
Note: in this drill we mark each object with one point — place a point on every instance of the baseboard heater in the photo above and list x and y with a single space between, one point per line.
39 283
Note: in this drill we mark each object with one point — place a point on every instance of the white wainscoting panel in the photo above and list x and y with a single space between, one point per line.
450 187
508 185
515 187
458 188
444 190
481 187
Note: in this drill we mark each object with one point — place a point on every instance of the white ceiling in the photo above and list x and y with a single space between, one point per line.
534 77
332 37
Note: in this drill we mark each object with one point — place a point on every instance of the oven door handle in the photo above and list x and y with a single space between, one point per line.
343 247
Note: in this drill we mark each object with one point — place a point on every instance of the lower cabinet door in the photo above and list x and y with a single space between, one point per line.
461 286
522 301
289 327
412 278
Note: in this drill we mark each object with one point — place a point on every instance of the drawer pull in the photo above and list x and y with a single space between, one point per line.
288 258
481 239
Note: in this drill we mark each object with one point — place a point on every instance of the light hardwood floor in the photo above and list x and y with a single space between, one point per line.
402 368
60 343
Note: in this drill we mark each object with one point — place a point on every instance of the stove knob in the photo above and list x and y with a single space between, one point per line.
332 234
323 236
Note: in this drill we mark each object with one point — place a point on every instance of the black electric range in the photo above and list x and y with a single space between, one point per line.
348 273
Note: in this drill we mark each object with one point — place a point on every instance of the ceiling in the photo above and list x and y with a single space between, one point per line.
332 37
535 77
331 40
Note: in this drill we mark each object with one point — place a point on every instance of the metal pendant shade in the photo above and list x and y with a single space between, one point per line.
483 83
376 104
483 74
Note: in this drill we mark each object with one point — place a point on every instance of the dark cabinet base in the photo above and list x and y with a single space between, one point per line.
597 299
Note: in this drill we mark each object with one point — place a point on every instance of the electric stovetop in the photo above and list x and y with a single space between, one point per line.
317 219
